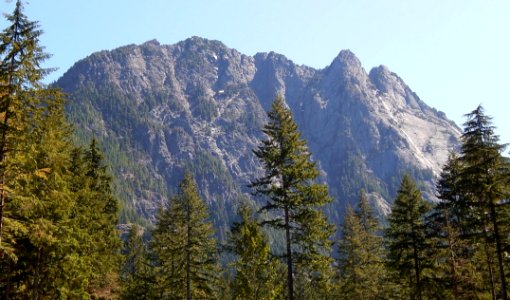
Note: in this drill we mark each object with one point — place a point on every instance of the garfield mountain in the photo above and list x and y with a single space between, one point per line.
198 105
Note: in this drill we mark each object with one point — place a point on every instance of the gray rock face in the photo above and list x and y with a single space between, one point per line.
199 105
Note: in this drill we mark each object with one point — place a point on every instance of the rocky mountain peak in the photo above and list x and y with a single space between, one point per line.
389 83
200 105
346 72
153 42
384 79
346 63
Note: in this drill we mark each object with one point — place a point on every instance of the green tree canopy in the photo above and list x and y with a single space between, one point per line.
185 248
255 270
294 199
484 180
406 238
361 270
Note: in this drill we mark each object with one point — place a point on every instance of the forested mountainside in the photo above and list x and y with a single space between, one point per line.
158 110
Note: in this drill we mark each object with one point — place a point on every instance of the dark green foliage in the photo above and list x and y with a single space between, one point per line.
132 180
59 239
185 250
255 270
406 238
20 75
484 180
202 106
294 199
136 274
361 271
454 257
96 213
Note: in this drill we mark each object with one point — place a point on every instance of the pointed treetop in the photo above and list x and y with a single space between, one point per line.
479 129
20 52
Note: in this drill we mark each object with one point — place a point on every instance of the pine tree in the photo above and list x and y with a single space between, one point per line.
406 236
361 269
294 199
485 180
255 270
185 248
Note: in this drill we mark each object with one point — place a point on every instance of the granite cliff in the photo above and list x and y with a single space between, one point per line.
199 105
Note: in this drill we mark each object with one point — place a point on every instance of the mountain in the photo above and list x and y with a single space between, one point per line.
199 105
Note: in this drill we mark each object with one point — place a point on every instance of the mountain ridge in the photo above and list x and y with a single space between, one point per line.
198 102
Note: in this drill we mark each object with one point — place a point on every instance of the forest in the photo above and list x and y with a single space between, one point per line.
59 215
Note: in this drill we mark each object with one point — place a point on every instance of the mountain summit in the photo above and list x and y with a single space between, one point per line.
199 105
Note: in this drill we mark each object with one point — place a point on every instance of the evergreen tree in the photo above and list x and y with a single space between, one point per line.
136 273
294 199
406 236
47 260
185 248
255 270
361 269
96 213
453 252
34 202
44 252
485 180
20 72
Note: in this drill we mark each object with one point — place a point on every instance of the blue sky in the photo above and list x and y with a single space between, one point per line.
453 54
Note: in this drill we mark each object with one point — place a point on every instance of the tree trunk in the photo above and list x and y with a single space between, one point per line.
417 272
35 292
3 153
455 279
489 265
3 141
499 250
290 278
188 258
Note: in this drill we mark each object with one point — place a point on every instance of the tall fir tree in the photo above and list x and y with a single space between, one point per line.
185 248
42 252
361 270
456 274
485 180
294 201
96 213
406 238
20 73
36 241
255 270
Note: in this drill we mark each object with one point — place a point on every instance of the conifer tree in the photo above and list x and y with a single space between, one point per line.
485 180
406 238
454 254
136 273
255 270
47 259
20 72
96 213
44 252
361 269
294 200
185 248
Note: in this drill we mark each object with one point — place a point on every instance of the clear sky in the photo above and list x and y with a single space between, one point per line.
455 54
